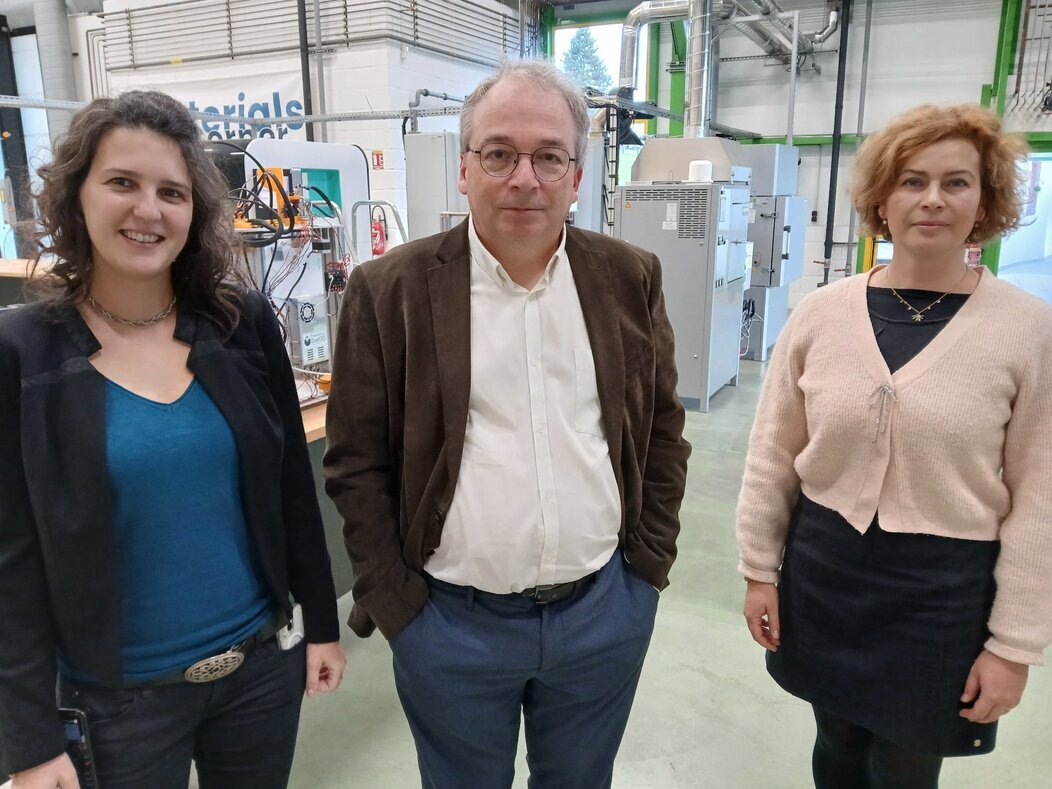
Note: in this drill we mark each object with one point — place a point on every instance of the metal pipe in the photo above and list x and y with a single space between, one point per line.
321 68
777 27
838 117
792 79
414 113
308 104
714 85
848 268
756 34
523 10
643 14
828 30
436 93
699 62
56 60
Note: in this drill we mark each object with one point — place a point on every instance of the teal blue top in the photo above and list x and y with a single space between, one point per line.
190 578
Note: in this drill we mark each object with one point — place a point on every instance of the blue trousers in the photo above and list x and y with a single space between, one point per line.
240 730
472 663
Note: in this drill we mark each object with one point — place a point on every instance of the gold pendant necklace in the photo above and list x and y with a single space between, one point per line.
918 315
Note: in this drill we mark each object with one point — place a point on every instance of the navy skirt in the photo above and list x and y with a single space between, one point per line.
881 629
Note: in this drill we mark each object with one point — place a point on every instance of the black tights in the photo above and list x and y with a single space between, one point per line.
846 756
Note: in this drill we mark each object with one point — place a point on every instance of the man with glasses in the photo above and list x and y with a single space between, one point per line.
505 446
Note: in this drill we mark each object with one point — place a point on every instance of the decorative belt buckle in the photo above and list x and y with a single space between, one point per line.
216 667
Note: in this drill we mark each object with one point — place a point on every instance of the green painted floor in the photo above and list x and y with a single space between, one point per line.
706 714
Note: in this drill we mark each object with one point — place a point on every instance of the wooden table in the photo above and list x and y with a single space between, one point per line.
314 420
17 269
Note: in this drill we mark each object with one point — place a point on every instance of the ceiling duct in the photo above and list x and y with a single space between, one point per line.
697 105
778 29
643 14
774 37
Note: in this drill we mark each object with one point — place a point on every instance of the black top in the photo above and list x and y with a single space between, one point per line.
899 337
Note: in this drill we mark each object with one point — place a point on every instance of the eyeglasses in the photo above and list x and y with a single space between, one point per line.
500 161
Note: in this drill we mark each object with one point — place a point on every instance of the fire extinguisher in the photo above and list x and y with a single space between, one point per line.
378 230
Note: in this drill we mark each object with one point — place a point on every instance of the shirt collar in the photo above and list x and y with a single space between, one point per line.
484 259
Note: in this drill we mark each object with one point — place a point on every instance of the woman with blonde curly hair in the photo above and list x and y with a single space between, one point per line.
895 519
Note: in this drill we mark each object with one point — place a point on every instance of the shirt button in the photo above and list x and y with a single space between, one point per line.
534 362
540 429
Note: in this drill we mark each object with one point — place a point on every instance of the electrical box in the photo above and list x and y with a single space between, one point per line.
777 233
308 329
700 233
432 180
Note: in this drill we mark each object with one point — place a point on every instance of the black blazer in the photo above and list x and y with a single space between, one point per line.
59 579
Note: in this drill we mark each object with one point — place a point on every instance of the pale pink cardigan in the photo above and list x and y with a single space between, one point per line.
958 442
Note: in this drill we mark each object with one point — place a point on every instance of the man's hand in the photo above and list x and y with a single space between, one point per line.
56 774
761 614
995 685
325 664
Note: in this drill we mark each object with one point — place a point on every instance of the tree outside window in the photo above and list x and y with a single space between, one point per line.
583 64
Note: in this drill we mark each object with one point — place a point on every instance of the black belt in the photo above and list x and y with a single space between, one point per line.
555 593
221 665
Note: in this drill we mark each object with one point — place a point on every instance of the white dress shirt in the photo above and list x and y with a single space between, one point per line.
536 500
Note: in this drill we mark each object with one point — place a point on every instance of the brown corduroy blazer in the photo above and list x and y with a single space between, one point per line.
398 409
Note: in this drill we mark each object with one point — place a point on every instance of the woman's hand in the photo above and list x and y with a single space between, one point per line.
325 664
58 773
761 614
995 685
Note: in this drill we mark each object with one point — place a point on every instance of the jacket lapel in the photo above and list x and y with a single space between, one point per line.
449 288
591 273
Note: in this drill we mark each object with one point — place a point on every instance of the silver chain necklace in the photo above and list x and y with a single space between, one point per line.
105 313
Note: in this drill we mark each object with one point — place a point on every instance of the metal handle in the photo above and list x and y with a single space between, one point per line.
370 203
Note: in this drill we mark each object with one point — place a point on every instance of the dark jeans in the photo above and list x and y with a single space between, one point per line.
240 730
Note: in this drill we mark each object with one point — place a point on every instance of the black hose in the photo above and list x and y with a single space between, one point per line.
308 104
838 116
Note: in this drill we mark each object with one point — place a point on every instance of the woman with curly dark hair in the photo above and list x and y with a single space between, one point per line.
895 519
158 515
